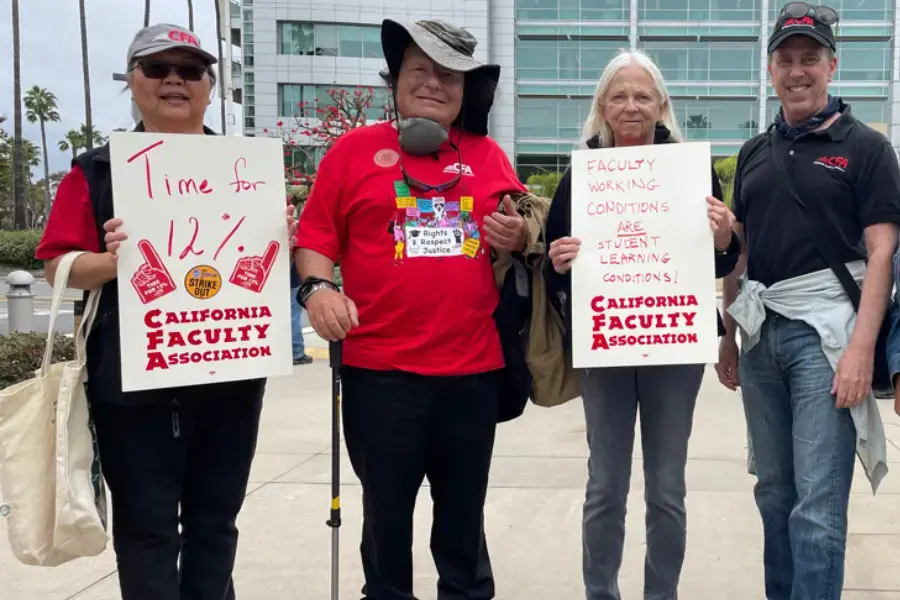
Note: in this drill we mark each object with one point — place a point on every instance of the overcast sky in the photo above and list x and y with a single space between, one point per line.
51 58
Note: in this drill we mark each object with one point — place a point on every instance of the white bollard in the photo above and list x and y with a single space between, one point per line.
20 301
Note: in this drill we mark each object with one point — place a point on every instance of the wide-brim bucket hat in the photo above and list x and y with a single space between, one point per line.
452 48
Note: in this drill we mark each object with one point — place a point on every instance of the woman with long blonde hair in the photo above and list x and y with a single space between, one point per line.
631 107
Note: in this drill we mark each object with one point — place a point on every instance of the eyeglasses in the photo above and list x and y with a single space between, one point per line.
823 14
158 69
443 187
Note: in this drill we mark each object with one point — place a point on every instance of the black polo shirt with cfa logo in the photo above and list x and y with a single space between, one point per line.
849 167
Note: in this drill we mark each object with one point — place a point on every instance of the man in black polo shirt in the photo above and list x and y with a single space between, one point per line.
806 359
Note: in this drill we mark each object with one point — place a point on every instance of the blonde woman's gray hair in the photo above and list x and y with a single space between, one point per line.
595 125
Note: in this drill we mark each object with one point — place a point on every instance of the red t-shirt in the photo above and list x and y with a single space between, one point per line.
415 263
70 225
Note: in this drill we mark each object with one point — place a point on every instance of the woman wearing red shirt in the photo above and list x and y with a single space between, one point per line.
413 209
174 456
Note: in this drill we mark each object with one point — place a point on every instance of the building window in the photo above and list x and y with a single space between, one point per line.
530 164
699 10
579 10
851 10
551 118
864 61
565 59
304 160
290 95
705 61
320 39
717 119
867 111
563 118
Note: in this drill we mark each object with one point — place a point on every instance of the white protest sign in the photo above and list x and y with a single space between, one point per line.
643 284
204 287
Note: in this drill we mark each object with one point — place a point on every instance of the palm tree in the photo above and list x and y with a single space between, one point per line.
74 142
90 133
146 13
41 107
18 161
87 74
190 4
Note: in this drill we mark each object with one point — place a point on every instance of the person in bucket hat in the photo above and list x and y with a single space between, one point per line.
415 209
451 48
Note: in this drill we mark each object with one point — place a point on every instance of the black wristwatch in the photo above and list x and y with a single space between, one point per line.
310 286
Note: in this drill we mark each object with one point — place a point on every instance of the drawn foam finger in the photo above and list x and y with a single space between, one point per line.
269 256
150 255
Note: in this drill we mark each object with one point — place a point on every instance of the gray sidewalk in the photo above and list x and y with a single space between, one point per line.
533 512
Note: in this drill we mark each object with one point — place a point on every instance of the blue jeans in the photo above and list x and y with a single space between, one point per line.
297 325
665 397
805 452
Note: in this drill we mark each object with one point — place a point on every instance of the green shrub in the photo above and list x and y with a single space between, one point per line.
543 184
725 169
17 249
21 355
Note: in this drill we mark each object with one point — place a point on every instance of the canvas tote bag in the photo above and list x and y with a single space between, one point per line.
51 490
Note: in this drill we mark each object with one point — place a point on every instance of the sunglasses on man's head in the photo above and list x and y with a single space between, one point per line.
823 14
160 69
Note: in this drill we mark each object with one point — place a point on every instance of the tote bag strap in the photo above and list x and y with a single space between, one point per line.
87 324
60 283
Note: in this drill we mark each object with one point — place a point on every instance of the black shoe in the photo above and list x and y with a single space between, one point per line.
303 360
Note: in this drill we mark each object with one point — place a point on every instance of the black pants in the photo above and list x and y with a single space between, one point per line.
193 453
400 428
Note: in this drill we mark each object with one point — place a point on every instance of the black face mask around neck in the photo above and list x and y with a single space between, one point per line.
420 136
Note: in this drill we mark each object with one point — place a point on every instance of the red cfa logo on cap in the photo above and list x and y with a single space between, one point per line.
803 22
183 37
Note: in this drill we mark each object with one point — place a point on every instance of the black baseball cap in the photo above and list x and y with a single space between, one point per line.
809 25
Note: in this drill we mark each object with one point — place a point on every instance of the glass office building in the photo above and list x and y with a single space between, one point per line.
711 52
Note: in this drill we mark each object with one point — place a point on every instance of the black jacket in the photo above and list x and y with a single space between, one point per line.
559 224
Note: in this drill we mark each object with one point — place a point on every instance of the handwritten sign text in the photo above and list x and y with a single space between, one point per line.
205 218
643 287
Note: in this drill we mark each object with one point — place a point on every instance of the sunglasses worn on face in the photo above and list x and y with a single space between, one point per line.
157 69
442 187
824 14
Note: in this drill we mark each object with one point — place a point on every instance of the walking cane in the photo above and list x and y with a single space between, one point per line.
335 350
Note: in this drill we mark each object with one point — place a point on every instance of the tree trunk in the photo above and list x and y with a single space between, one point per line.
222 66
18 163
85 64
74 152
47 200
146 13
190 4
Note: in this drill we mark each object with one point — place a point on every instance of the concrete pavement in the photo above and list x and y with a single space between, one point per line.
533 512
